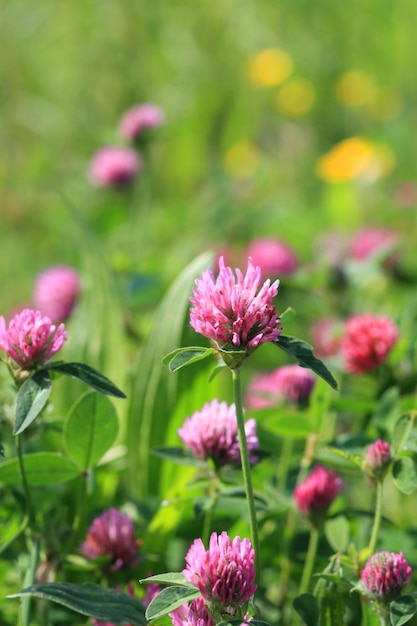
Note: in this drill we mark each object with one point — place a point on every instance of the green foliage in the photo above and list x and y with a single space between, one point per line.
307 607
402 610
303 353
31 399
43 468
170 599
185 356
89 376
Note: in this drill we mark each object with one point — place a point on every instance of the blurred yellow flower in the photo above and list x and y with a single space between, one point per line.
296 97
355 88
241 160
269 67
386 104
353 158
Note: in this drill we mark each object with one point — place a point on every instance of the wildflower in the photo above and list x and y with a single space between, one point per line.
369 241
384 577
317 492
273 256
232 314
56 291
269 67
139 119
112 534
114 166
194 614
241 160
326 336
212 433
378 458
355 88
224 574
31 339
289 383
367 341
296 97
346 160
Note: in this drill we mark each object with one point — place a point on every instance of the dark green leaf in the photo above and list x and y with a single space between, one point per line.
402 429
184 356
31 398
89 376
303 353
42 468
169 578
90 429
402 610
307 608
178 455
169 599
404 473
92 600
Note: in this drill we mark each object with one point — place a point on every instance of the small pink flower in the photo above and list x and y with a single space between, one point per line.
273 256
114 166
112 534
212 433
367 341
378 458
316 493
326 337
231 313
194 614
224 574
384 576
139 119
289 383
31 339
56 291
369 241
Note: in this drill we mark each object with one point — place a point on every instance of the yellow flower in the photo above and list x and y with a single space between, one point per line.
269 67
241 160
386 104
296 97
355 89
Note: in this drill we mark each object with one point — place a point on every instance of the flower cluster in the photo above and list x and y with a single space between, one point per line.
316 493
212 433
112 534
289 383
385 576
231 313
31 339
56 291
367 341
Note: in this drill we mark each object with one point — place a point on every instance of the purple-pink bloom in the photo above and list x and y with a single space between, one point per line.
114 166
31 339
212 433
224 574
194 614
378 458
231 312
384 576
112 534
56 291
326 336
315 494
289 383
367 341
140 118
369 241
273 256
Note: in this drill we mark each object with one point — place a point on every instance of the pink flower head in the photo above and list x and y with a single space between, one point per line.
231 313
224 574
194 614
139 119
56 291
316 493
367 341
112 534
326 337
273 256
384 576
289 383
369 241
378 458
31 339
212 433
114 166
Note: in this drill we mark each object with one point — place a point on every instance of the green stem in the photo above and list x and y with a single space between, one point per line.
310 559
28 497
244 454
377 518
284 462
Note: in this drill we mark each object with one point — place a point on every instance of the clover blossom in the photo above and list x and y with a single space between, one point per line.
212 433
31 339
56 291
273 256
194 614
384 577
112 534
315 494
289 383
369 241
378 458
367 341
140 118
224 574
114 166
229 311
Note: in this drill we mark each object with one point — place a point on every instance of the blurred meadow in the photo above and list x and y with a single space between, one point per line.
292 121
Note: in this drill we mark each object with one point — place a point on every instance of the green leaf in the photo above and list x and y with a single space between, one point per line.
337 533
31 398
169 599
89 376
105 604
184 356
178 455
402 610
307 608
169 578
303 353
42 468
344 454
402 429
404 473
90 429
286 424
